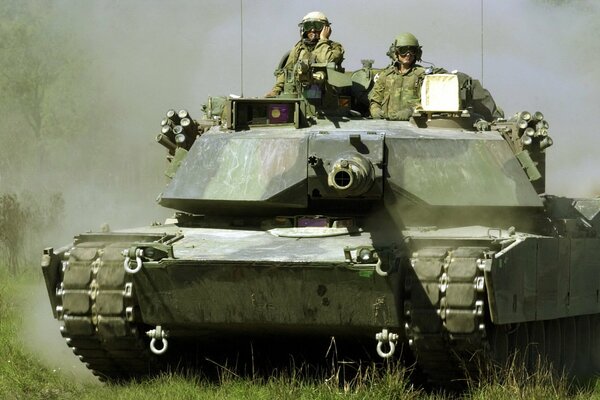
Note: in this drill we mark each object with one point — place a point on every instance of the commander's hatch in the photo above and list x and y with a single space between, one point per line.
441 105
248 113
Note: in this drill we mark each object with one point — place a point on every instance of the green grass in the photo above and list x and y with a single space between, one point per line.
23 375
515 382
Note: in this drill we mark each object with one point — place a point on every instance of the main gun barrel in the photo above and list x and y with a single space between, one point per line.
351 174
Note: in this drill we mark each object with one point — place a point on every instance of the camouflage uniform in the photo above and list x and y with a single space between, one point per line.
394 93
325 51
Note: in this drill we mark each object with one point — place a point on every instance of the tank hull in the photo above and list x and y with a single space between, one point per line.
447 293
256 281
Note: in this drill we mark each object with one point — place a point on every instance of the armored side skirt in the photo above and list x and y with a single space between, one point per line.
545 278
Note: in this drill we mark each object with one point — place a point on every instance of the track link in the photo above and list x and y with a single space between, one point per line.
98 310
450 333
445 311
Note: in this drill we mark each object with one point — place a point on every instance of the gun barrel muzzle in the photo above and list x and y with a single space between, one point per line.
352 174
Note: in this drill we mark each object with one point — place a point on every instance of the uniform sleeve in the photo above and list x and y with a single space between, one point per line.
279 82
376 95
327 51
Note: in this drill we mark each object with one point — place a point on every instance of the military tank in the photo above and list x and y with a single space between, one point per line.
299 216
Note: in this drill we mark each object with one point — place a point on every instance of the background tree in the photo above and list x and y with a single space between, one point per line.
40 65
40 70
13 220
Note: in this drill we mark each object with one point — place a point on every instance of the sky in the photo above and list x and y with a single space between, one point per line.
536 56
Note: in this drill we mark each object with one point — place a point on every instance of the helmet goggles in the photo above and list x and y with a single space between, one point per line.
405 50
308 26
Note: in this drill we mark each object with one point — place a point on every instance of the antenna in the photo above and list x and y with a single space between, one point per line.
242 48
482 42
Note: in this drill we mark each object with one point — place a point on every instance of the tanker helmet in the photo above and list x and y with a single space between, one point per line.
314 20
403 43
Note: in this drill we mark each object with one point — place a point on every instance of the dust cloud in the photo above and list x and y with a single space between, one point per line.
142 57
537 55
41 336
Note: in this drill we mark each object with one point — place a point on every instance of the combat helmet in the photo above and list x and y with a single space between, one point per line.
402 40
313 20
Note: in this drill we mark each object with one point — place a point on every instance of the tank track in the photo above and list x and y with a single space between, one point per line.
445 311
453 338
97 306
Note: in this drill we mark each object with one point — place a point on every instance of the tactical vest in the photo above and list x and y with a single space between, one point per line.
401 91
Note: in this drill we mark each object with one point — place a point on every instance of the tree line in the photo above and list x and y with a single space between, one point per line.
58 143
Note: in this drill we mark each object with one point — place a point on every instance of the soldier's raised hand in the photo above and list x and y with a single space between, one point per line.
325 33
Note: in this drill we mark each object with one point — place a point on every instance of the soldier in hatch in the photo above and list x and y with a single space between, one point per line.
314 46
397 90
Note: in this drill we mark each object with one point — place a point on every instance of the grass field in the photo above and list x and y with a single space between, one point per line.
36 364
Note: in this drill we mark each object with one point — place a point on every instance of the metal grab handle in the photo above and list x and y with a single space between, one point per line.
505 250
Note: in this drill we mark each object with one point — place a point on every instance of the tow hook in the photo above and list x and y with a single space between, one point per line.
390 339
156 334
150 252
365 257
137 253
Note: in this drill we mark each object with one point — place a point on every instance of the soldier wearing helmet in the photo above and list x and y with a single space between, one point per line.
314 46
397 89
